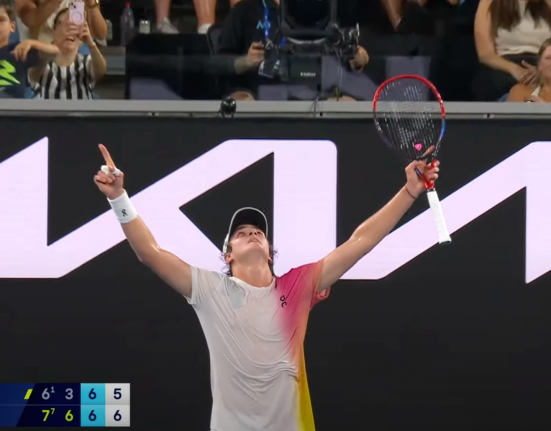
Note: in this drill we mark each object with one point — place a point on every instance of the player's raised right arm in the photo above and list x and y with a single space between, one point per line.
166 265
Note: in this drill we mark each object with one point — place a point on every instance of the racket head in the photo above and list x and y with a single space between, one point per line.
410 117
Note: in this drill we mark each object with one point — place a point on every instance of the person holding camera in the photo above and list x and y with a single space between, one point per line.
70 75
250 32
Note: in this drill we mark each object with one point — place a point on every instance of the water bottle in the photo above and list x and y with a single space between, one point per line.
127 24
145 26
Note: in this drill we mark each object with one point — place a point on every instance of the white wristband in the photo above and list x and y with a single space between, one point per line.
124 210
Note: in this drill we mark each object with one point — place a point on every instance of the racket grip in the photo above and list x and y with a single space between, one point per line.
438 216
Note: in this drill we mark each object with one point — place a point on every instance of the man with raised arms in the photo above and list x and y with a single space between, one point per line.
254 321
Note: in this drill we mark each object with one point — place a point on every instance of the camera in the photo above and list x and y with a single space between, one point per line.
228 106
300 60
308 32
271 66
346 41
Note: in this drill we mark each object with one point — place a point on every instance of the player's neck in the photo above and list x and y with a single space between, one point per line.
255 275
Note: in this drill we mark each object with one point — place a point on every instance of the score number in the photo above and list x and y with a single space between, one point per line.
46 395
68 416
92 417
92 394
105 405
117 394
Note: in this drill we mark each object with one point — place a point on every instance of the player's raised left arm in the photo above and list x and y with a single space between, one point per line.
372 231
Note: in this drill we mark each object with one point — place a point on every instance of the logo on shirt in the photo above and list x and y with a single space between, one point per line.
6 74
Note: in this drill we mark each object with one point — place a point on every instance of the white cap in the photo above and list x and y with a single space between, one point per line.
247 215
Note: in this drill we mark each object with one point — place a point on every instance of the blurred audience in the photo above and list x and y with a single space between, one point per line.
17 59
247 27
162 13
35 18
418 16
204 9
508 35
206 13
71 75
539 91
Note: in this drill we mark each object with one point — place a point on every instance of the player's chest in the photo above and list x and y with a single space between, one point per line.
256 314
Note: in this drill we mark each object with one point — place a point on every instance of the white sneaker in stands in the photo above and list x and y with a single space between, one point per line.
166 27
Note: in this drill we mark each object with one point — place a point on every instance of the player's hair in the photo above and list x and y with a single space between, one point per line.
7 6
227 268
506 13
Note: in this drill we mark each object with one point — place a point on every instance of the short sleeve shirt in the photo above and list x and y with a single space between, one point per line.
255 338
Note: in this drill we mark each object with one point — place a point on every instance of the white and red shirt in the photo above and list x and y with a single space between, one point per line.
255 337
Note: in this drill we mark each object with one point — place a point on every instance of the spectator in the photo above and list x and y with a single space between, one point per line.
454 65
206 13
417 16
70 75
541 90
508 35
204 9
244 34
35 18
162 13
16 59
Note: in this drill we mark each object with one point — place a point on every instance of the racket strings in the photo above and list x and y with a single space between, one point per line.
408 117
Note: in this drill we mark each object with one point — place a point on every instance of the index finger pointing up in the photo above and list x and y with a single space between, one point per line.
107 157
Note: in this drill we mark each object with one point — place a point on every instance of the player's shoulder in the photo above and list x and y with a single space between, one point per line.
299 272
206 284
207 277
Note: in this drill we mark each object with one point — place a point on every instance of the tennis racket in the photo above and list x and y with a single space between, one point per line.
410 117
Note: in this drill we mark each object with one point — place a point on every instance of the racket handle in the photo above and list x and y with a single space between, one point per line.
438 215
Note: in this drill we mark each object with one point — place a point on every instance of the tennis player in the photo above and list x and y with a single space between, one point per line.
255 322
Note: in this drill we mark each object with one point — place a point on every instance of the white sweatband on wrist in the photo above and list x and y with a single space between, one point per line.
124 210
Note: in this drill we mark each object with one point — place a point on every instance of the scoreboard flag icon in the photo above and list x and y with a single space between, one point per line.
65 405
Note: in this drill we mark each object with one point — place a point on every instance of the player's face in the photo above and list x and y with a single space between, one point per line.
249 239
545 64
6 27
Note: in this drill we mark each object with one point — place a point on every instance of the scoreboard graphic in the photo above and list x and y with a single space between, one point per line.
64 404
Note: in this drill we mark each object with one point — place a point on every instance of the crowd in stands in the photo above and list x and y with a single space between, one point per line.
483 50
52 57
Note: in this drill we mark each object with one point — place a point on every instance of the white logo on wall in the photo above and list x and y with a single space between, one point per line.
305 179
304 226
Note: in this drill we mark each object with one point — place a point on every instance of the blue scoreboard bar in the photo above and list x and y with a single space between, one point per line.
64 404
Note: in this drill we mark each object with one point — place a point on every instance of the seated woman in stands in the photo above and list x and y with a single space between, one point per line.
70 75
541 90
508 35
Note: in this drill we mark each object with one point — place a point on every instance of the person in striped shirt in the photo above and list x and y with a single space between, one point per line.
70 75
